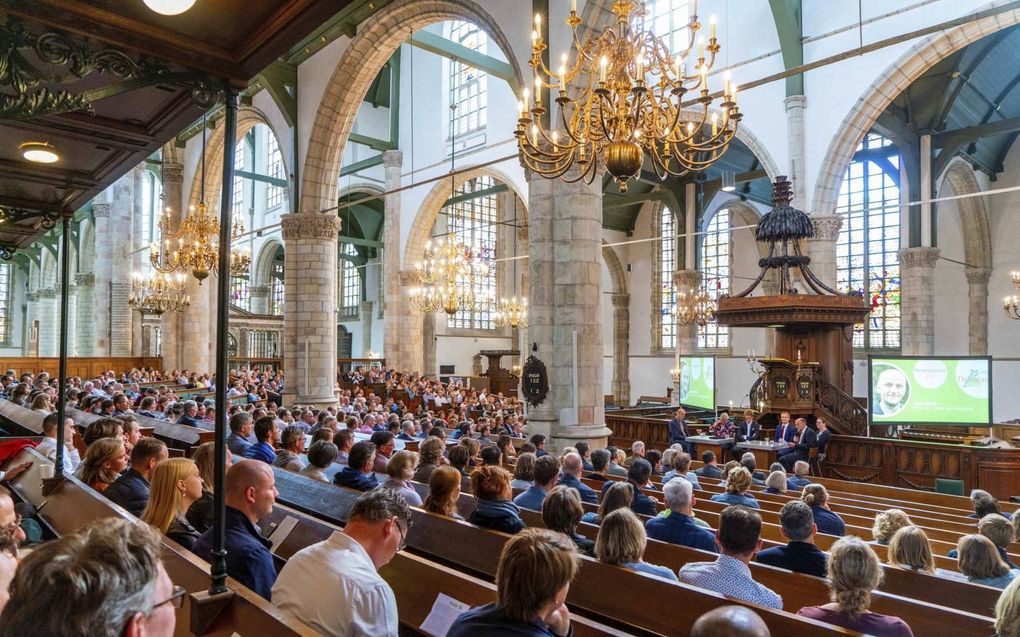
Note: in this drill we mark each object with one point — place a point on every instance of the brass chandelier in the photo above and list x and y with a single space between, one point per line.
512 312
447 278
1011 304
627 102
197 240
694 306
158 293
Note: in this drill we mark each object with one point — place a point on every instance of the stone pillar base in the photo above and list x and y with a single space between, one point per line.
595 435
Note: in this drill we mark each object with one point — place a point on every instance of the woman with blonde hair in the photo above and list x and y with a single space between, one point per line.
909 549
444 491
622 540
1007 611
619 495
104 461
738 481
887 523
817 497
980 561
200 515
41 403
176 485
854 572
400 469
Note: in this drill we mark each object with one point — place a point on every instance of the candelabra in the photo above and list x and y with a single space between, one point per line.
447 278
1011 304
694 306
513 312
628 95
158 293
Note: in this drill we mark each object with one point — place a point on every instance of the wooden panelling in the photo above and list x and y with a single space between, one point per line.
89 367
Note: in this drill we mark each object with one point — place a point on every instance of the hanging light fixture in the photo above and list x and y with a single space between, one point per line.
512 312
451 270
197 239
158 293
729 181
1011 304
694 305
627 104
169 7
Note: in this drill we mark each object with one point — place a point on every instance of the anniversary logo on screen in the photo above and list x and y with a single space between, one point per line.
930 391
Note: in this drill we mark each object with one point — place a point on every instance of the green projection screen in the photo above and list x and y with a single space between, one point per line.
697 381
930 390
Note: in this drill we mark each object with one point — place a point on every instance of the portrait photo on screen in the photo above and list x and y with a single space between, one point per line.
931 390
891 390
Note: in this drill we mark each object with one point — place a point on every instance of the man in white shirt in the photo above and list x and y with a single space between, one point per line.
48 445
349 598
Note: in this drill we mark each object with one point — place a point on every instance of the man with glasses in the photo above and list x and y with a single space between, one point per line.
107 579
348 596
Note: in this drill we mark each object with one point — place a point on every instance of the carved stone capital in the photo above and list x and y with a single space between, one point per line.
393 158
919 257
366 307
826 227
324 227
48 293
100 210
85 279
795 101
173 172
31 296
259 290
621 300
978 276
686 279
408 278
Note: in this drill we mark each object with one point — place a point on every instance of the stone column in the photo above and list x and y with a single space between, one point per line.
917 325
822 248
103 273
795 143
260 299
565 263
31 315
621 349
171 323
977 292
686 335
49 321
428 344
366 327
72 317
86 315
119 243
196 353
402 338
309 317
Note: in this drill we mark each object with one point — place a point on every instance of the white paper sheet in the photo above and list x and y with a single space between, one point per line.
444 611
282 531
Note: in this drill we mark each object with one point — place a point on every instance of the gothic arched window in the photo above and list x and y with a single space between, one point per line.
715 274
350 282
472 220
667 266
468 85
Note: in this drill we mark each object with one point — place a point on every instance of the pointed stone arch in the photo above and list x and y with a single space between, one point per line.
621 325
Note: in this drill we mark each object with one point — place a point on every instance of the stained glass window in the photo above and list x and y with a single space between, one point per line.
473 222
867 251
350 283
468 85
6 288
715 274
240 292
667 266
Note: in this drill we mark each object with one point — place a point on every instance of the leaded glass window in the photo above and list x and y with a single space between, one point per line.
472 220
715 275
468 85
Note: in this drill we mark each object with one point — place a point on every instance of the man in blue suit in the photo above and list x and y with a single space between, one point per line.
745 431
571 476
679 526
638 474
784 430
678 431
801 447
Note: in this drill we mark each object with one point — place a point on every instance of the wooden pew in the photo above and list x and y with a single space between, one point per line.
176 436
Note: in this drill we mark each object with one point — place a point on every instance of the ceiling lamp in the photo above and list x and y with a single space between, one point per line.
1011 304
729 181
448 277
39 152
197 240
513 313
626 104
169 7
158 293
694 306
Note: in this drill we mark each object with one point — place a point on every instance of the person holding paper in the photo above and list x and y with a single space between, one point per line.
349 597
532 581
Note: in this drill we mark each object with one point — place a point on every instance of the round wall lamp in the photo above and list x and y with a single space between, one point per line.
39 152
169 7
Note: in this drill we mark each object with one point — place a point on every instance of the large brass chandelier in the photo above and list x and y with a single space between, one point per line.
158 293
627 93
512 312
1011 304
448 277
694 306
197 239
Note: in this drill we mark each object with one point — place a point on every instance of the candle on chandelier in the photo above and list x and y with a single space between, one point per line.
701 48
704 77
555 139
715 124
640 62
538 90
573 6
603 63
711 29
563 78
534 135
526 98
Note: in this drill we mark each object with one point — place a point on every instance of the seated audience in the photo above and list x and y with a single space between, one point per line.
48 445
524 471
854 573
638 474
562 511
539 441
344 440
799 479
358 473
532 581
1007 610
887 523
494 510
616 459
817 497
738 481
547 470
385 443
909 549
249 492
321 455
176 485
400 469
200 515
293 443
132 431
106 579
748 462
679 526
1000 531
800 553
622 540
10 519
985 504
349 597
618 495
131 489
103 428
739 538
266 435
681 469
730 621
980 561
505 444
430 457
460 458
570 476
444 492
710 468
599 463
776 482
491 456
242 434
8 562
104 460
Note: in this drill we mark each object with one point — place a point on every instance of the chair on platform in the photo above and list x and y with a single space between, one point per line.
815 461
948 486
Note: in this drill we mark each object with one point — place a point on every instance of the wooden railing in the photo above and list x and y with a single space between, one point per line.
845 415
84 367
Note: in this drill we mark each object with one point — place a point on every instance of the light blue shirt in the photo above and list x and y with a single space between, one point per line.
532 498
1000 582
729 576
690 477
652 569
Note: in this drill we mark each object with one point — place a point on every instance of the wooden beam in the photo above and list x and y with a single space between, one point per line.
449 49
960 136
280 80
